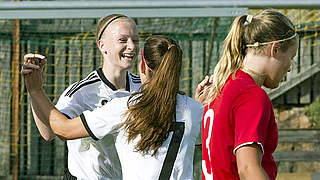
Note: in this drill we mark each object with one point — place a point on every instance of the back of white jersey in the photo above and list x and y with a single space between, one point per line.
89 159
135 165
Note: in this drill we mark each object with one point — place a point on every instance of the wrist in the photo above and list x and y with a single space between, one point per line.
36 92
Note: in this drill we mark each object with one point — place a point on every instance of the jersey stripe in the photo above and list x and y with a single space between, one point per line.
134 76
135 79
92 75
84 84
88 78
178 131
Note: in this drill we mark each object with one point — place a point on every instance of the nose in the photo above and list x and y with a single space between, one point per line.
131 45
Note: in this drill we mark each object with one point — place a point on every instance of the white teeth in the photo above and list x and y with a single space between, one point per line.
130 55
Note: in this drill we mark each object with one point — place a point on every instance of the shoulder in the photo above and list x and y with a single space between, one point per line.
183 99
134 78
189 106
119 100
255 94
74 94
243 86
83 85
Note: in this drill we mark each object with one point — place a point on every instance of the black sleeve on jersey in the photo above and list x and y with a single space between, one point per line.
181 93
66 116
83 119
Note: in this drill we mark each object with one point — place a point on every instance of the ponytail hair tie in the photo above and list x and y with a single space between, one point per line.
170 46
248 20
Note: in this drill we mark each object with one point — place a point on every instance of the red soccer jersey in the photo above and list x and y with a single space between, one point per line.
241 114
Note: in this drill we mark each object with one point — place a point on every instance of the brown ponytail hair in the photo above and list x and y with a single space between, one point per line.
268 26
151 111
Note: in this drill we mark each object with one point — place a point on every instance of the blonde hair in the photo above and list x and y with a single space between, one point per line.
246 30
151 111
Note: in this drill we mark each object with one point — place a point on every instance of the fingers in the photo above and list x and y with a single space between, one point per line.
27 68
205 81
37 59
33 61
200 87
31 55
211 79
30 66
200 95
26 71
202 84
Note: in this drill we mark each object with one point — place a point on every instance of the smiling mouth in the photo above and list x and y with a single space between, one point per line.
128 55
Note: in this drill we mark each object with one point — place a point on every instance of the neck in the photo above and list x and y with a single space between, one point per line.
116 77
257 77
254 66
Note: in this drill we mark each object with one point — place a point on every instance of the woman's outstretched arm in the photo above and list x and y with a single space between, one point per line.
44 109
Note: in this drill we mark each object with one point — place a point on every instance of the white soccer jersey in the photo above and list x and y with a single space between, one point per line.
89 159
136 166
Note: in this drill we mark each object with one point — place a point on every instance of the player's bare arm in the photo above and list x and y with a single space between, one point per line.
31 62
48 117
249 159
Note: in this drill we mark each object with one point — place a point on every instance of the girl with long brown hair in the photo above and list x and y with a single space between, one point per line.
155 129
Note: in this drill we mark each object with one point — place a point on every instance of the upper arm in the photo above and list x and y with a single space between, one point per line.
66 105
249 154
251 119
71 107
69 128
106 119
249 166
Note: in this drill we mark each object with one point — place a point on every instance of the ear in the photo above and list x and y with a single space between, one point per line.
101 45
142 70
274 48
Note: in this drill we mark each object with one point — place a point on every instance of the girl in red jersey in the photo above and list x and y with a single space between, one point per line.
239 131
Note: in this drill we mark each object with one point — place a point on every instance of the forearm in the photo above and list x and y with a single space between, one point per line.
43 127
47 117
253 173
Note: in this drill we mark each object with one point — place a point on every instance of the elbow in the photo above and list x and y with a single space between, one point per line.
243 172
247 172
48 137
64 136
61 130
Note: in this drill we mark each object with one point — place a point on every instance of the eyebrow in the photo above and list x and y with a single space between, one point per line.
125 35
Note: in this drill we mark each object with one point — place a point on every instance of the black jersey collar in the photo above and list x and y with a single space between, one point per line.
109 84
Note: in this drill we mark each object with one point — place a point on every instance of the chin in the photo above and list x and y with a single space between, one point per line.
127 66
271 85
